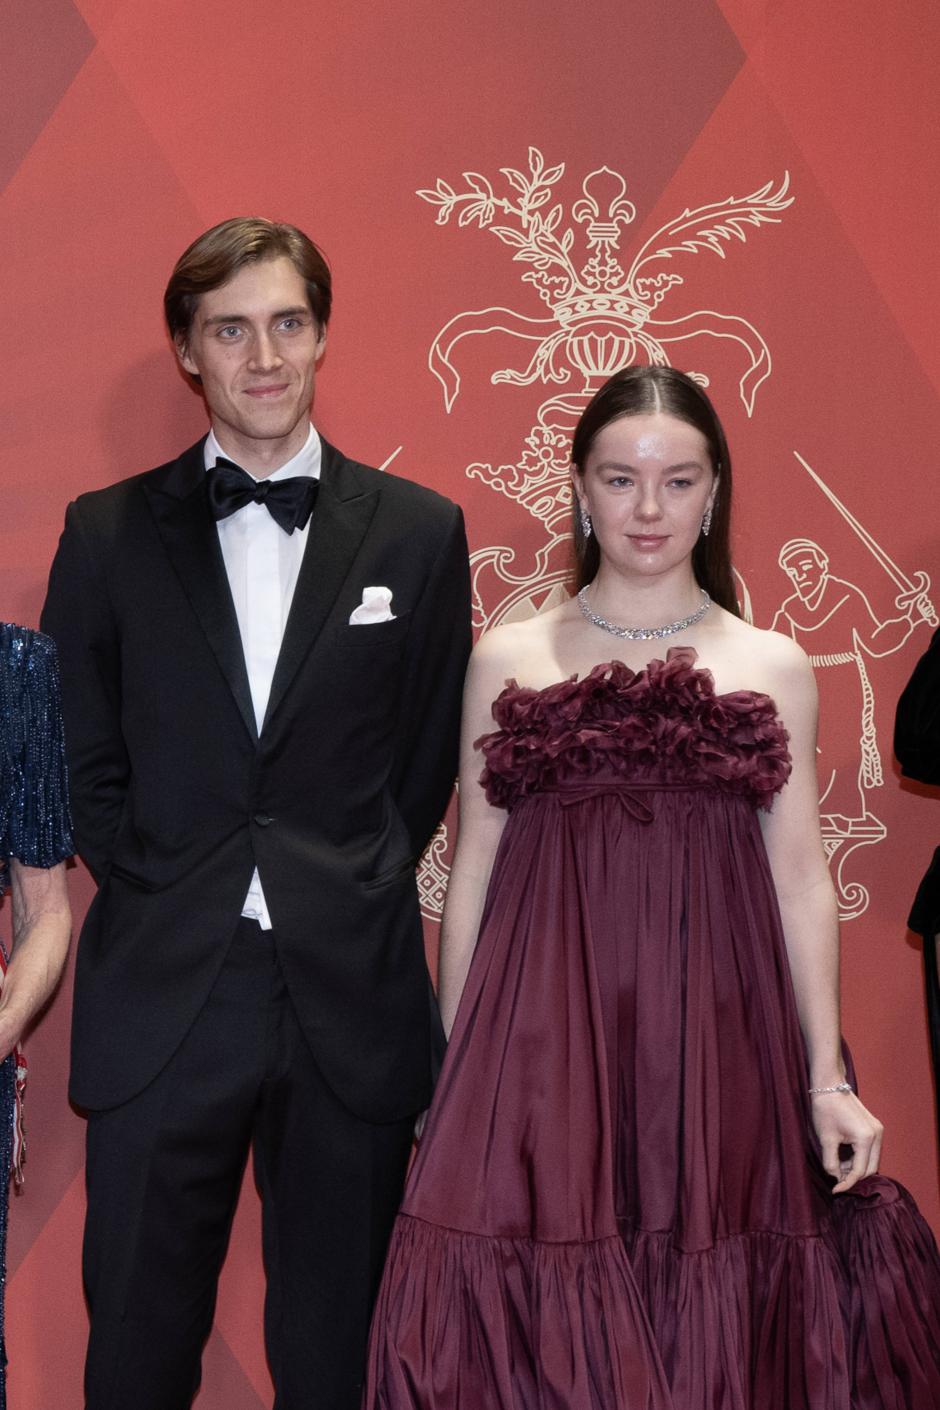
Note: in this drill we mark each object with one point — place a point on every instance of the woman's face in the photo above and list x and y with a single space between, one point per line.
647 483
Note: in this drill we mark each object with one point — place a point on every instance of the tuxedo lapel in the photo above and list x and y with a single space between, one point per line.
178 501
341 517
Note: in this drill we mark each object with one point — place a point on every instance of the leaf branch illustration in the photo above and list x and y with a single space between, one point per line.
535 241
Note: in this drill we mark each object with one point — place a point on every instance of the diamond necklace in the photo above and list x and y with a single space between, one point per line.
643 633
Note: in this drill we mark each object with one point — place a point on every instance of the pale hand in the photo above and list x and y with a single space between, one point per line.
840 1119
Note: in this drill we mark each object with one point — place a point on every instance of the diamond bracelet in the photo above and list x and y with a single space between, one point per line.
821 1091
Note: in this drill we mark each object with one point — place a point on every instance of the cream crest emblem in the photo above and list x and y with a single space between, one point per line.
603 312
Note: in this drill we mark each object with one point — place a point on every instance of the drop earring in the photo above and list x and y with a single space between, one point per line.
585 523
707 521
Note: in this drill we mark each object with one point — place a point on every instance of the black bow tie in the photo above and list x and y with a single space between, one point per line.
289 502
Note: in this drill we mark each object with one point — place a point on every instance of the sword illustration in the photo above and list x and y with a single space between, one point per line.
386 463
909 591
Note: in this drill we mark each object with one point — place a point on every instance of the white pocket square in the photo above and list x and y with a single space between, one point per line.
376 606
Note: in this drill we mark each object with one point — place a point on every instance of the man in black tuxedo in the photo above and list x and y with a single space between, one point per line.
261 695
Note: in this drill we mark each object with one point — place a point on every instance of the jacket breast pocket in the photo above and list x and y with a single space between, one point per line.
376 636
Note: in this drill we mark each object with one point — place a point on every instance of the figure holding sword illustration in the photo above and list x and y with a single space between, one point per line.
836 625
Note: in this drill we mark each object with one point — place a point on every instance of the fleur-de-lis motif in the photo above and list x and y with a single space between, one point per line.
604 190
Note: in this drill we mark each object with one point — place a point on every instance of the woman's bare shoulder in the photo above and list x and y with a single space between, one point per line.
764 660
516 647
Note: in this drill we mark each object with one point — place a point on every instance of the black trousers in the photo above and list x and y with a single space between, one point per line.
163 1177
932 991
924 920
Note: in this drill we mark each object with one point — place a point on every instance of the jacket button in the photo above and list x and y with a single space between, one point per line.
263 819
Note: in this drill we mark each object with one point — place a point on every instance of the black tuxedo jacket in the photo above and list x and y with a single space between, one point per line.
176 798
917 747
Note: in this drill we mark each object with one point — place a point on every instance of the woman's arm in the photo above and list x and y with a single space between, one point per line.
480 828
810 925
42 926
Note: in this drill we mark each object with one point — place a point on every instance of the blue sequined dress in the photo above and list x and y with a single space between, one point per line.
35 827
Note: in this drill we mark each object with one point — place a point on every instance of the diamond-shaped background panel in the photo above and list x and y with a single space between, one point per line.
45 43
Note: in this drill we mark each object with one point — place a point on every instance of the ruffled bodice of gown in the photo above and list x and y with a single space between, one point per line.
618 1202
664 724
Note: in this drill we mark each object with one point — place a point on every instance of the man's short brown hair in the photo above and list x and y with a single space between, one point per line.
222 251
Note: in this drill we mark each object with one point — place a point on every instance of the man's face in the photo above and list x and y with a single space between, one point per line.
255 344
806 570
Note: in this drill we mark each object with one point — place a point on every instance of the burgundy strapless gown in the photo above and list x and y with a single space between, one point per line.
618 1202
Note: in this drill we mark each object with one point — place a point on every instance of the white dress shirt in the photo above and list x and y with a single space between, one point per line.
262 563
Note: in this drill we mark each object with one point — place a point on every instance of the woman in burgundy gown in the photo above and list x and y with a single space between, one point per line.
646 1181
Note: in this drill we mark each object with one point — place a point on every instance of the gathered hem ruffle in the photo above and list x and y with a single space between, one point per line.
753 1323
891 1299
842 1320
469 1322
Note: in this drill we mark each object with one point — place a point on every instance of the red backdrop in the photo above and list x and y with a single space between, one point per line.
131 125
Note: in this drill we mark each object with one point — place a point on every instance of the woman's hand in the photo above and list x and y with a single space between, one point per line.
841 1120
42 925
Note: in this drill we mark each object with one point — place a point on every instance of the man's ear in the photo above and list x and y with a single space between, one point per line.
321 343
181 344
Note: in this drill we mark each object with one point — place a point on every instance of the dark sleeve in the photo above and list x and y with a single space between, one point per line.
429 724
917 723
78 615
39 832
